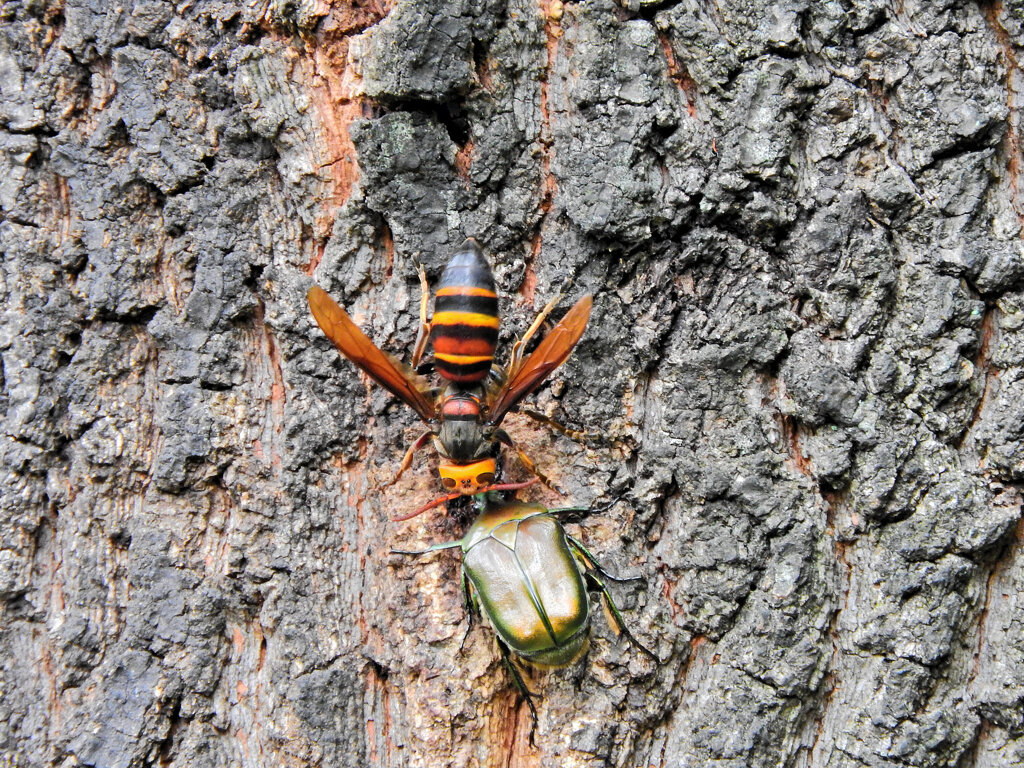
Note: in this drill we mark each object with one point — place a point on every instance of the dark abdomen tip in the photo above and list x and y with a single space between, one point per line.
468 267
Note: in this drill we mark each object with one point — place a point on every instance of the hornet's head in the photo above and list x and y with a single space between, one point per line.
468 479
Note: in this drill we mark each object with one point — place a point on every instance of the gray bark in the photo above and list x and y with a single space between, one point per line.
802 225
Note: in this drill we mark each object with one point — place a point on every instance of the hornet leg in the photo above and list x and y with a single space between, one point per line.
504 438
424 334
573 434
407 459
516 359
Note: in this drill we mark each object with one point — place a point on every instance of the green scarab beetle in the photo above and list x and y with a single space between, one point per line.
530 579
527 581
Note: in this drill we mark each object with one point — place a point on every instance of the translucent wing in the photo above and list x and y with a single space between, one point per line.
391 374
550 354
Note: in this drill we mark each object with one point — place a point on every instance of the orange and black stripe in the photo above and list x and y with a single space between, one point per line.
465 322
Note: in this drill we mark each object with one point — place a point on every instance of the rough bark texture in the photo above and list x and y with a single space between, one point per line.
802 224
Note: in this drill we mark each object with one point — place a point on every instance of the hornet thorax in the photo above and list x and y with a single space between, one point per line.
461 434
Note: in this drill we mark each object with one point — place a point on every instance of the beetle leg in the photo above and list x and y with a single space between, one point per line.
428 550
503 436
424 334
506 657
592 562
616 616
471 607
593 573
407 459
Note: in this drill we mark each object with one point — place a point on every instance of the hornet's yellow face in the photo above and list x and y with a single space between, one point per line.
468 479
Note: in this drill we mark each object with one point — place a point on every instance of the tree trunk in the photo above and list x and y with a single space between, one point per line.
801 222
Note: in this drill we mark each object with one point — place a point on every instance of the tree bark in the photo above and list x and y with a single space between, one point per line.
801 222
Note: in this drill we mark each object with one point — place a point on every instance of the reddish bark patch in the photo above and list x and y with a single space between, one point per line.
679 74
791 436
788 427
552 11
982 362
277 392
516 750
327 73
1012 142
278 396
386 242
483 74
464 160
995 575
668 592
378 734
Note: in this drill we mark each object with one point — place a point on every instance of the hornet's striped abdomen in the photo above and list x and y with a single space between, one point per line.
465 322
